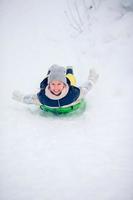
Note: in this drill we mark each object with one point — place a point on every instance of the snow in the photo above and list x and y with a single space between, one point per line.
81 156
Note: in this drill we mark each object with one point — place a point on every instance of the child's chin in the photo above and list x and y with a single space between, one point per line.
57 93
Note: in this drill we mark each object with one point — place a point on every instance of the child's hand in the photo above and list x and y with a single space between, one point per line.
93 76
16 95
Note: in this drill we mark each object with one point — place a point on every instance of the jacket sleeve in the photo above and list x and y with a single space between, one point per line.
92 79
85 88
27 99
31 99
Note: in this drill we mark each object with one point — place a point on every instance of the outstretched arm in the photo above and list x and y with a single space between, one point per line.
87 86
27 99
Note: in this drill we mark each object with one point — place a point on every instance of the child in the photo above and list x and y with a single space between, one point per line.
59 89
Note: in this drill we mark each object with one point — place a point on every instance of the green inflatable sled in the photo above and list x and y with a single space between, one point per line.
64 110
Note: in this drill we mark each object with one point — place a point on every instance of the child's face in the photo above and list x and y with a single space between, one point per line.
56 87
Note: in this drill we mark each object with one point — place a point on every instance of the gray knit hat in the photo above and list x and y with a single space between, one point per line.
57 73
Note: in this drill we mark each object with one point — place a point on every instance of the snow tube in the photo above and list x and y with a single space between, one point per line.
63 110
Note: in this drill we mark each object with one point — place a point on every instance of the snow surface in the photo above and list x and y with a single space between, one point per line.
77 157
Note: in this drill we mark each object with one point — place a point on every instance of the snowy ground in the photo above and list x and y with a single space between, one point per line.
79 157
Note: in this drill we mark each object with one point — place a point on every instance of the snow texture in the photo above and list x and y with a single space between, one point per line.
83 156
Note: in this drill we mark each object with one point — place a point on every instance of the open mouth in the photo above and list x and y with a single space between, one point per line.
56 92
